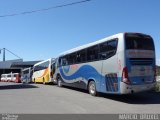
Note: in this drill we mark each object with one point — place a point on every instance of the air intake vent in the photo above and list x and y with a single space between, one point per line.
112 82
141 61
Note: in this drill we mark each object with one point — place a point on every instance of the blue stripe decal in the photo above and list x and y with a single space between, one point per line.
82 72
87 72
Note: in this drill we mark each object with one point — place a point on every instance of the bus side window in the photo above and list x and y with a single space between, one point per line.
72 58
108 49
59 62
111 48
81 56
92 53
64 61
103 50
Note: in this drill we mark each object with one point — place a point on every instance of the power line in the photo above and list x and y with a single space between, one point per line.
4 53
44 9
13 53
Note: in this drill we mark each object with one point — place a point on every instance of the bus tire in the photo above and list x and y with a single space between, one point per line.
44 81
92 88
59 82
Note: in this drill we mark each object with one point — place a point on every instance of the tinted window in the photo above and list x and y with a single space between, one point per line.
81 56
15 75
139 41
26 71
108 49
8 75
72 58
112 47
59 61
92 53
41 66
64 61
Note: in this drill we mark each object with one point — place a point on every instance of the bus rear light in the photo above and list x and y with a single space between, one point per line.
125 78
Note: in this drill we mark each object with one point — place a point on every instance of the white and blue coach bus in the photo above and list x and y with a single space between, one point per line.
26 75
120 64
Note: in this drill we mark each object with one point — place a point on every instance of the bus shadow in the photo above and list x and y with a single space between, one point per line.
137 98
17 86
76 89
150 97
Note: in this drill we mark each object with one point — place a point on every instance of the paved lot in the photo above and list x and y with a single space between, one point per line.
39 98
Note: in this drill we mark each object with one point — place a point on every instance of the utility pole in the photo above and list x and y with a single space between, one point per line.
4 55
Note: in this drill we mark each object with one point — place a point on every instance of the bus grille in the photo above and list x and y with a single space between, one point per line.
141 61
111 82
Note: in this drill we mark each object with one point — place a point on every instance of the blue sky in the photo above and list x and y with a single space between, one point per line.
46 34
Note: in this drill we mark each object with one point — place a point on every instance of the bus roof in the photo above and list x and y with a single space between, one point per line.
44 61
9 73
91 44
27 68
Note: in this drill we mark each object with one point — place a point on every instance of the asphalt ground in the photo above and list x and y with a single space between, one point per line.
20 98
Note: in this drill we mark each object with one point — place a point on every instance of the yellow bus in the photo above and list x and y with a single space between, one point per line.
42 72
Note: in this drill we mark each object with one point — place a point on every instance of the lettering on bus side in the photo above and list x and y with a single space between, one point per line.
74 66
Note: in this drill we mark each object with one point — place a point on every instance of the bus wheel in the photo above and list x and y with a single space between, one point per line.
44 81
34 81
59 82
92 88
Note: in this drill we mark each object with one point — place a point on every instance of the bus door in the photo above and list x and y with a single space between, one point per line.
52 73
